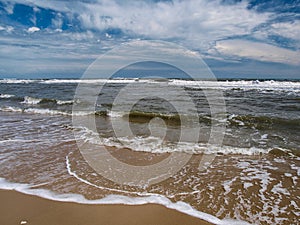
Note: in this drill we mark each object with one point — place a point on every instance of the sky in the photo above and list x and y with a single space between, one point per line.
249 39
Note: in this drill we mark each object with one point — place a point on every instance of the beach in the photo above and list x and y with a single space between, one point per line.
150 112
16 207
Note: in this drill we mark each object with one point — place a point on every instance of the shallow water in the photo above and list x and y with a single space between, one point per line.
253 177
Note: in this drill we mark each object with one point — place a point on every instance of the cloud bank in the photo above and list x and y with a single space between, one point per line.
258 51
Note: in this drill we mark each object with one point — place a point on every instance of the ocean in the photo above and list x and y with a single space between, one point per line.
222 151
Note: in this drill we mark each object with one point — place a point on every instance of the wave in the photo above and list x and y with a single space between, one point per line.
31 100
250 121
66 102
34 111
34 101
6 96
247 84
233 120
150 115
87 81
46 111
261 122
116 199
287 87
51 111
64 113
10 109
17 81
228 84
154 144
169 117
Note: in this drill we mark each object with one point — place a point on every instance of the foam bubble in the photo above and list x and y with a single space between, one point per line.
117 199
247 185
297 168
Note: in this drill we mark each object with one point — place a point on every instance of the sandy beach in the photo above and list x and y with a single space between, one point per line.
18 208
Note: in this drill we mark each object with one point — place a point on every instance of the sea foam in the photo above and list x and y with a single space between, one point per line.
117 199
6 96
290 86
154 144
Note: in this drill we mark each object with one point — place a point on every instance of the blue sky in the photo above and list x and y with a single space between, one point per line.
236 38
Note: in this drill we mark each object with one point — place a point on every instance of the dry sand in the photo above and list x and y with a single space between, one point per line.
17 207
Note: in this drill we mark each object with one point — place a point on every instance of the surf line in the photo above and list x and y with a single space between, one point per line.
142 194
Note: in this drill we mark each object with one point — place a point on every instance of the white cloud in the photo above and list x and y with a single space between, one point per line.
57 22
289 30
193 21
33 29
61 6
83 36
197 24
8 29
258 51
107 35
9 7
44 55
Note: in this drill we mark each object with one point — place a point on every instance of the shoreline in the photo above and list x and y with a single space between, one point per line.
18 208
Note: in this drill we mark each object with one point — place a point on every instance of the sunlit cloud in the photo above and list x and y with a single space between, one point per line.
287 29
33 29
258 51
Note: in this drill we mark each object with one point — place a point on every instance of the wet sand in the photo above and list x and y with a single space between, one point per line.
18 208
